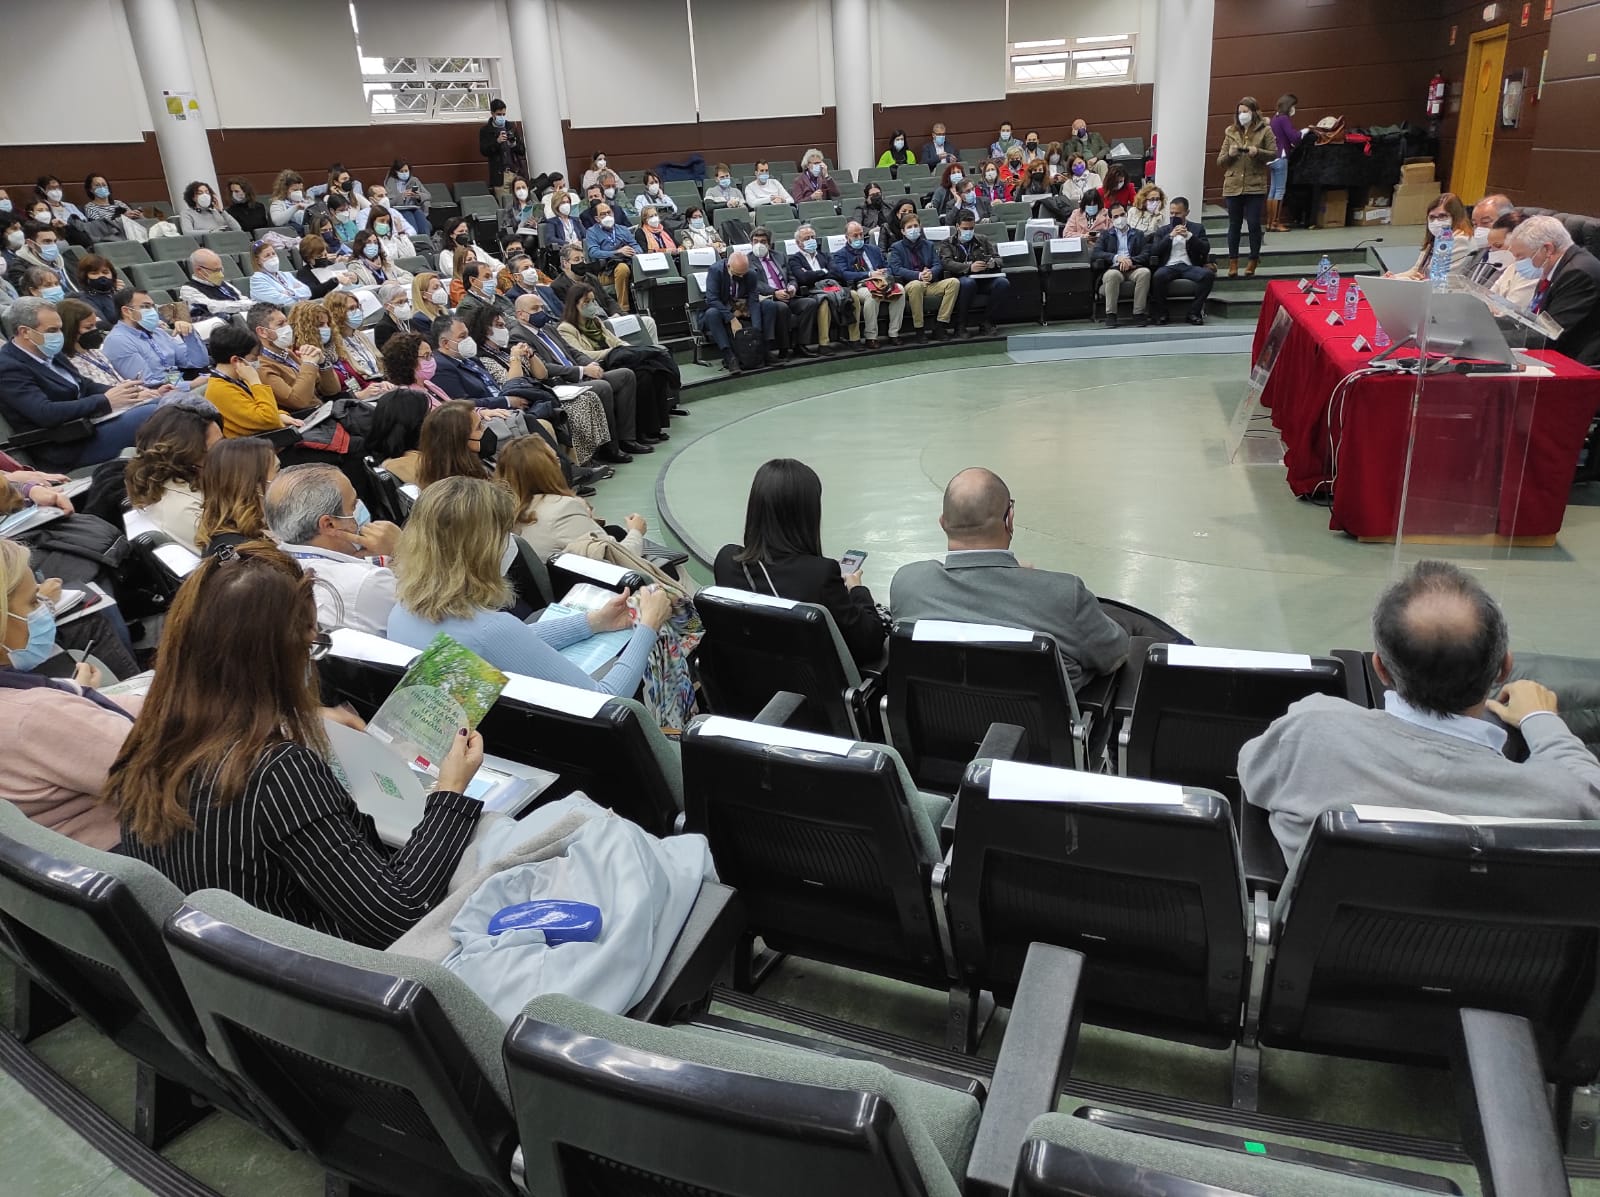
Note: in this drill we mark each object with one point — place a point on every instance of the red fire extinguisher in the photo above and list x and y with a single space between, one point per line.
1436 95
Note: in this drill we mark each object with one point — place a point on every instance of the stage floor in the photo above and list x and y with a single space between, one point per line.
1120 471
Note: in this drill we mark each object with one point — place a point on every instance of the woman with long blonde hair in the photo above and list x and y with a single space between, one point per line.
429 296
224 780
450 567
550 515
353 353
236 474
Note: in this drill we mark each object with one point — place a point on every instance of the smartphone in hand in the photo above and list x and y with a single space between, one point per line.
852 561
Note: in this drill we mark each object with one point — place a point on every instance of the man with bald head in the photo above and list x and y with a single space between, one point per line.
208 293
980 580
729 284
1484 213
1442 653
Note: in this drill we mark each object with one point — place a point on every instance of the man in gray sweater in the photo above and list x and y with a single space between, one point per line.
1442 651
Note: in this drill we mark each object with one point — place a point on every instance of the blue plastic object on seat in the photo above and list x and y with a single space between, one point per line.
559 921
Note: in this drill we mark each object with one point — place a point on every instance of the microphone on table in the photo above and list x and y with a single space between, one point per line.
1367 242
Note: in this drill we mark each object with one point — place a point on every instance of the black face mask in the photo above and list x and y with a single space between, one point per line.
103 285
92 340
875 200
463 239
488 441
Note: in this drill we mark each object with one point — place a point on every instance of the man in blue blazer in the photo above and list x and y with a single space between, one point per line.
1121 253
729 282
914 262
39 389
456 369
863 267
1180 250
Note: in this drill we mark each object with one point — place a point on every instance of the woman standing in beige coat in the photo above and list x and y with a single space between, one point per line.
1248 148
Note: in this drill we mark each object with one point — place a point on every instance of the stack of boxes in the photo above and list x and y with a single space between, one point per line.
1417 191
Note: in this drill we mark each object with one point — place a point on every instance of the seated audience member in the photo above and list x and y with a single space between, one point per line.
248 405
523 276
550 515
1148 212
697 232
451 444
316 260
898 154
938 151
611 193
811 275
97 287
722 190
522 211
655 371
562 228
980 580
991 187
1031 148
378 208
202 214
1013 169
314 515
370 264
1005 143
208 292
233 488
224 781
408 196
289 202
730 283
872 213
1088 219
1116 189
1566 280
616 389
44 284
270 283
458 247
1036 186
653 195
457 371
1446 216
764 189
353 353
47 191
395 437
971 260
1090 146
163 475
947 195
430 297
39 388
473 284
592 173
795 316
864 268
102 205
592 196
915 264
611 249
141 347
1078 181
397 312
814 182
1484 213
894 227
1442 653
1180 250
969 200
61 736
408 361
451 566
651 234
43 248
1121 255
1505 280
295 370
782 556
576 268
248 212
83 344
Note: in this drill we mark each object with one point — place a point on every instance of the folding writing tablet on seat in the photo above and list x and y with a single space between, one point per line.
1386 925
384 1068
947 682
1196 707
756 645
1143 878
827 841
87 924
570 569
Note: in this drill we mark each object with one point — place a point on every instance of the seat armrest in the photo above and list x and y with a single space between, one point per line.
72 430
1001 742
1507 1124
860 701
781 708
702 950
1355 675
1035 1060
1264 866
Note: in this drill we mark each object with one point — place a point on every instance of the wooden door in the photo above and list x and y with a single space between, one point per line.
1480 113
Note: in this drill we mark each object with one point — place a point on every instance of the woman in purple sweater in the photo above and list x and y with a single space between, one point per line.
1287 137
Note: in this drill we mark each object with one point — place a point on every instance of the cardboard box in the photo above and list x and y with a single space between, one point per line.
1331 214
1417 171
1370 215
1412 201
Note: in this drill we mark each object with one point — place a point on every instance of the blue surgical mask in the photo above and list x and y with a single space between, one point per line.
41 644
102 192
346 229
955 177
499 122
54 294
149 319
938 139
370 250
816 170
5 205
763 176
50 252
325 333
724 182
967 234
857 242
1528 270
809 245
914 233
404 176
361 515
697 224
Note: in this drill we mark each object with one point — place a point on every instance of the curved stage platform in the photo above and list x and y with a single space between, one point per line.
1119 467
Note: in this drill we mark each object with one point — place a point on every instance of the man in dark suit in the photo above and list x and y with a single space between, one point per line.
971 258
39 389
566 366
1181 250
1569 284
938 151
981 581
1121 254
729 283
811 275
862 267
796 324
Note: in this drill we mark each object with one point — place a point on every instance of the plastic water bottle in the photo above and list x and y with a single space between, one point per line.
1331 289
1380 339
1323 267
1352 301
1439 264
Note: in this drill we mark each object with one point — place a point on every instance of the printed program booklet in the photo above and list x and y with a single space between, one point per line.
447 687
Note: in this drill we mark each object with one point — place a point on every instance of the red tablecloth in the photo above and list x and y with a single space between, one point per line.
1493 455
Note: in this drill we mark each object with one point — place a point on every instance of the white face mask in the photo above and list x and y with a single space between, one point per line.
564 209
467 347
1480 236
1152 206
1438 227
654 222
530 277
500 336
402 312
53 195
283 336
296 196
1244 118
1502 257
270 264
1119 222
438 297
522 193
203 200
